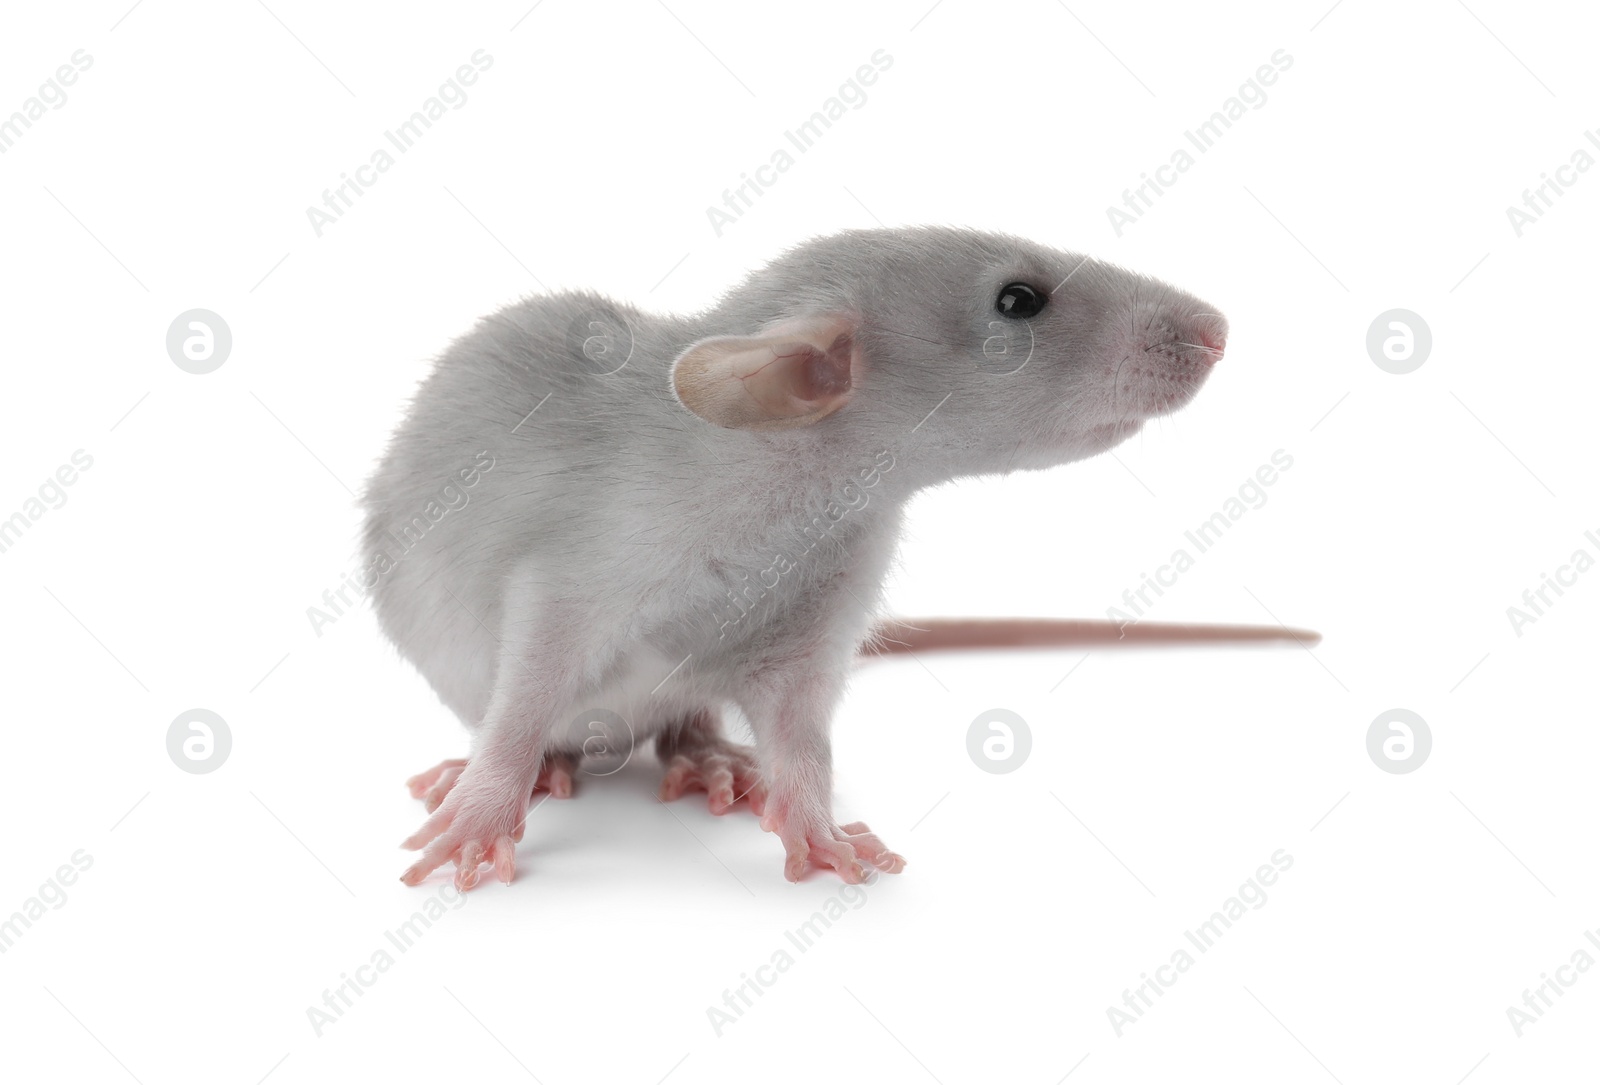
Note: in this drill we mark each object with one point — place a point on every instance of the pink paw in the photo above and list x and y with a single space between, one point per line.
843 849
555 776
725 771
419 784
476 824
432 786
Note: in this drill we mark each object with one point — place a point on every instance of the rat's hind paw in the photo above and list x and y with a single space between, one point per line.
842 849
555 775
474 826
725 771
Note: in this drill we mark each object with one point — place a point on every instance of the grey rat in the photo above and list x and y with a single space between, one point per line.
647 518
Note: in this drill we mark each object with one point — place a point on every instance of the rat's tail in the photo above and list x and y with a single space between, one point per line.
946 634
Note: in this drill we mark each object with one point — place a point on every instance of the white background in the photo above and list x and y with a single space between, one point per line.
178 573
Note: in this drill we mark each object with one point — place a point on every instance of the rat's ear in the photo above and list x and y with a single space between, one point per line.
794 374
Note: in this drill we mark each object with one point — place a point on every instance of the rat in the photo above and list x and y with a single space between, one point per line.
598 526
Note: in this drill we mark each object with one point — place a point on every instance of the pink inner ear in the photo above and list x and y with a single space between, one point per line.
826 373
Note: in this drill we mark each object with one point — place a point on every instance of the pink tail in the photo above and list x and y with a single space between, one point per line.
951 634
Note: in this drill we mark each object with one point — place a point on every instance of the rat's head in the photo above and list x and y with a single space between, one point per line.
995 353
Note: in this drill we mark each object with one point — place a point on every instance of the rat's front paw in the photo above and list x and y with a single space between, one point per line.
840 848
478 823
423 782
432 787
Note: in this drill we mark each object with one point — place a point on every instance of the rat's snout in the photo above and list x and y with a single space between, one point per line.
1169 347
1182 338
1189 343
1211 333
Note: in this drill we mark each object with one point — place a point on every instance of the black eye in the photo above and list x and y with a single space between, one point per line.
1019 301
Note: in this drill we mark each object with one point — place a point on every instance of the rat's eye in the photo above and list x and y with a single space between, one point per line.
1019 301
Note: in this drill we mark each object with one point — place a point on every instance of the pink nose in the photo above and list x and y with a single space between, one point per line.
1211 334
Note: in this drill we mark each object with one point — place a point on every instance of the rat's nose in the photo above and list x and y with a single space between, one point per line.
1211 335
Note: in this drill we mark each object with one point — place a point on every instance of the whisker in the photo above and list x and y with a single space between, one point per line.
908 335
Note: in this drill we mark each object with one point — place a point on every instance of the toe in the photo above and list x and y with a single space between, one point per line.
556 775
419 784
725 771
751 791
890 862
431 828
851 851
467 865
441 789
795 864
869 847
432 859
841 857
503 856
680 777
560 783
719 788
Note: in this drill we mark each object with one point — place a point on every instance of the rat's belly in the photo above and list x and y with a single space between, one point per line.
646 693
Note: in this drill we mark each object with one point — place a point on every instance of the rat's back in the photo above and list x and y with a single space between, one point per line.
542 409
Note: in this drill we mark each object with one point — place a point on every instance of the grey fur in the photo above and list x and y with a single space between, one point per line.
600 550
